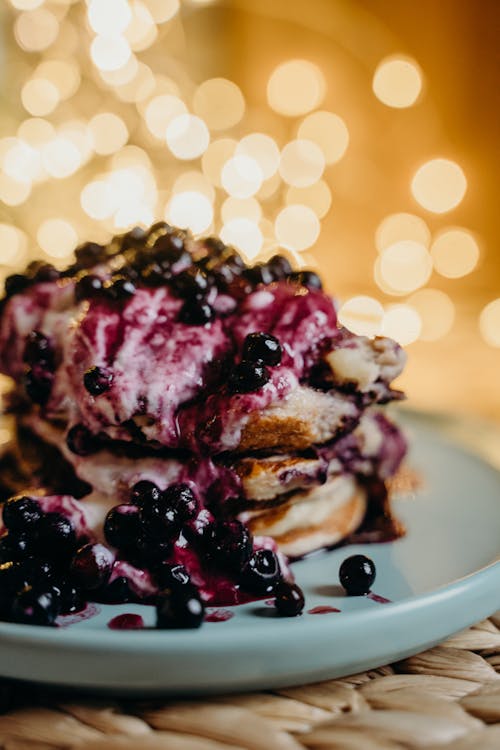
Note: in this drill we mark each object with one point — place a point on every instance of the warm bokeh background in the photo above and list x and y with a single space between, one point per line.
114 113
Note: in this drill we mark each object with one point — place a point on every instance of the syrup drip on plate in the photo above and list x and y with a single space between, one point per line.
126 621
322 609
218 615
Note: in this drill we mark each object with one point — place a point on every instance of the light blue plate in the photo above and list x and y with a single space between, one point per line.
441 577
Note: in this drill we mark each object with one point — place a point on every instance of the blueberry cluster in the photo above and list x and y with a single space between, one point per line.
35 557
157 257
251 373
39 359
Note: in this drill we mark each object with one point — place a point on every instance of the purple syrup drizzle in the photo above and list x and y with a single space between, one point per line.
378 598
322 609
218 615
90 610
126 621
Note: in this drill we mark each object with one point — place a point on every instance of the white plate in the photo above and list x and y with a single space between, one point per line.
441 577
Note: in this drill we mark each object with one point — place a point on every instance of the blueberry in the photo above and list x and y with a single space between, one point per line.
38 349
122 526
263 347
116 592
15 284
179 607
91 566
151 550
168 576
98 380
38 385
88 287
289 601
68 597
154 276
44 272
37 571
357 574
90 254
191 283
181 497
55 537
132 238
21 513
279 266
81 441
12 579
247 377
161 519
121 289
196 313
144 493
31 607
228 543
309 279
262 572
15 546
169 249
259 274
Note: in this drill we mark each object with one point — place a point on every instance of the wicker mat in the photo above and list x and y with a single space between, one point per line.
447 697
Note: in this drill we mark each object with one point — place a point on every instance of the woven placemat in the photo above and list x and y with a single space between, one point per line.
447 697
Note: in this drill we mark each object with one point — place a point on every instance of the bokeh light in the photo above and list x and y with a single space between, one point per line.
362 315
64 74
36 131
263 149
190 210
241 176
214 158
398 82
187 136
246 208
97 200
39 96
318 197
161 110
219 103
12 245
60 157
401 323
436 311
402 226
439 185
297 227
302 163
489 323
455 252
36 30
194 181
405 266
109 18
108 132
141 31
329 131
296 87
57 238
110 53
13 192
163 10
243 234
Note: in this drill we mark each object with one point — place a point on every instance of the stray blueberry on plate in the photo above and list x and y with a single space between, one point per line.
98 380
357 574
179 607
247 377
262 347
289 601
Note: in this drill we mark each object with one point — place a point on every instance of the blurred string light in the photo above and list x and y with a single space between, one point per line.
489 323
296 87
439 185
455 252
136 140
397 82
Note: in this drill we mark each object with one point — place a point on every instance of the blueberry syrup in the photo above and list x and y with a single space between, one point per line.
126 621
218 615
322 609
378 598
90 610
